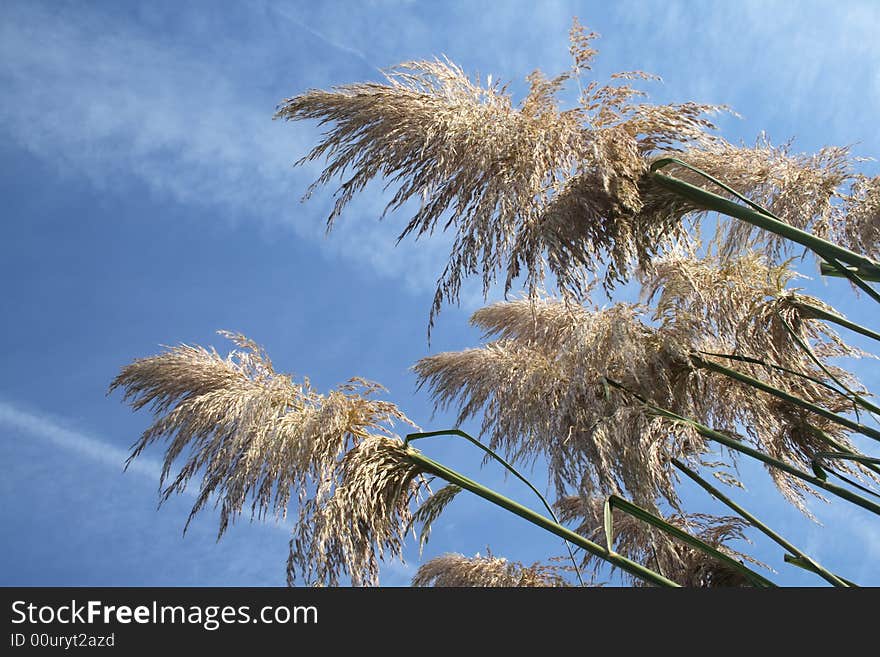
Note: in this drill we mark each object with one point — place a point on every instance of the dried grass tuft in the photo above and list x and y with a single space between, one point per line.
456 570
804 190
659 551
257 436
540 389
364 520
492 170
532 189
431 509
857 226
744 306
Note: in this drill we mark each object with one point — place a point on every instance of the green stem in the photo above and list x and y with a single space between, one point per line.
820 472
853 396
841 448
756 215
855 279
819 313
776 463
648 517
818 432
810 566
458 432
627 565
721 497
783 466
781 394
778 368
854 483
739 446
828 269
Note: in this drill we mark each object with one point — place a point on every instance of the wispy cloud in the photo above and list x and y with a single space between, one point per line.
80 522
291 15
97 450
805 70
90 447
112 102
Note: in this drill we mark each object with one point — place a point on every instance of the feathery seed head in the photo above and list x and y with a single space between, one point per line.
456 570
741 306
364 520
857 226
540 388
801 189
658 550
256 435
492 170
431 509
540 385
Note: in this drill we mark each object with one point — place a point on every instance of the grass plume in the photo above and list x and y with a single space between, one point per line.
657 550
456 570
493 170
256 436
537 382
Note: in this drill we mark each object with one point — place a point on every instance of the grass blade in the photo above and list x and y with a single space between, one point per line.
760 526
636 569
819 313
461 434
781 394
614 501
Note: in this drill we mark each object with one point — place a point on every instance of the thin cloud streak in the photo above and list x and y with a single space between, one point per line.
94 449
106 454
89 447
288 15
115 104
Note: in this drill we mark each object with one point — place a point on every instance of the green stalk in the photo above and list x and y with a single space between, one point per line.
756 215
458 432
781 394
809 566
627 565
854 483
841 449
778 368
776 463
721 497
855 279
853 396
648 517
867 461
819 313
828 269
739 446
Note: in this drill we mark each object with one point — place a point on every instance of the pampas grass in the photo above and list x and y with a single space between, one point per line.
457 570
538 385
858 225
539 389
431 509
490 169
802 189
639 541
256 435
363 521
613 398
533 188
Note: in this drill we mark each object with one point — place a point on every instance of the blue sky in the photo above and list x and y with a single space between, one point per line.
150 199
